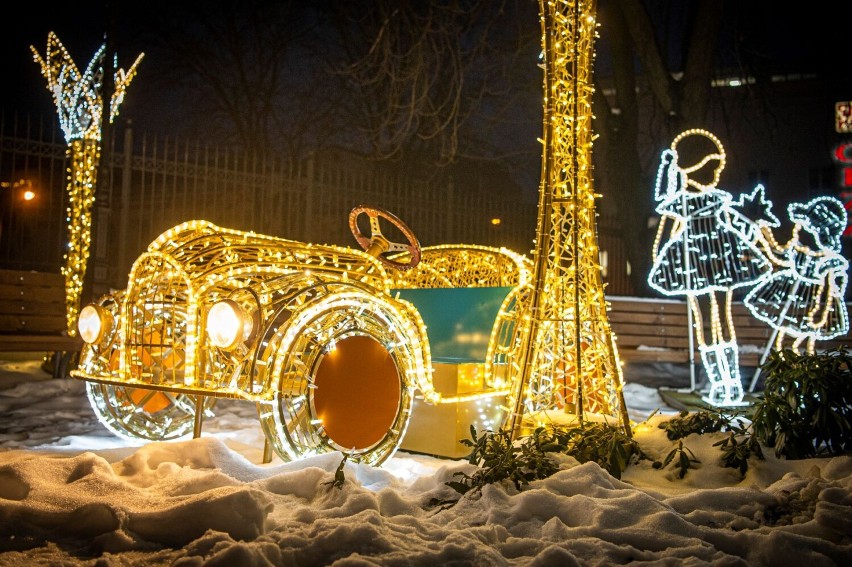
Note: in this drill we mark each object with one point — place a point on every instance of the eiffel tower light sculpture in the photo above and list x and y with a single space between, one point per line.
568 360
80 106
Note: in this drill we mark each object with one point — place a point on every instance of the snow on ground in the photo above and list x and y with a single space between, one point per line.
73 494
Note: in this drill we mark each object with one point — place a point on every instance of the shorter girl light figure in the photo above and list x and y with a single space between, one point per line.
803 297
708 253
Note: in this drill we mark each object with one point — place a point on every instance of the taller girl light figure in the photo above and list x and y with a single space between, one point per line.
706 255
803 297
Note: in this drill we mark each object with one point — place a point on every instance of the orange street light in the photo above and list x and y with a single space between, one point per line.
28 194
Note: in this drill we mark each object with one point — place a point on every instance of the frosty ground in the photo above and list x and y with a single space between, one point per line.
73 494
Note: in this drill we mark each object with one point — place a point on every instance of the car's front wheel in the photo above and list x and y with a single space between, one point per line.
346 367
142 413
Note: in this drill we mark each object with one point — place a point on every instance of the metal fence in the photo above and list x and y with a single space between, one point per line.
147 185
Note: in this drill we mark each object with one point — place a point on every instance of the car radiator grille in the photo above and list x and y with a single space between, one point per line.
160 324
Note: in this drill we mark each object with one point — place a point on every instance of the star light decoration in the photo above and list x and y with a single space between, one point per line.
569 361
80 106
710 250
803 296
755 213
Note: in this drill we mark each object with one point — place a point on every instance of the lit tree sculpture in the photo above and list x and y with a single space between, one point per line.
569 359
708 251
80 107
803 297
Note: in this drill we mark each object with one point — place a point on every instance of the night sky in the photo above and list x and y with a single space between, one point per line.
782 37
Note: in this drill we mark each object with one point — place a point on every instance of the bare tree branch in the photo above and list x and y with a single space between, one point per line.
426 70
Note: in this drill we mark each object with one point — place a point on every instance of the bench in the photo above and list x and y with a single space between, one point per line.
657 330
32 316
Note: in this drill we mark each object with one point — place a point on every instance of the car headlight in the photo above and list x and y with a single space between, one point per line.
93 323
227 324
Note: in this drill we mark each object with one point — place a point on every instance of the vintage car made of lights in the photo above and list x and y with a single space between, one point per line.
337 346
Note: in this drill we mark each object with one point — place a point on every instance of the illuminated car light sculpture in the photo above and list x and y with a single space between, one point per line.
284 310
325 339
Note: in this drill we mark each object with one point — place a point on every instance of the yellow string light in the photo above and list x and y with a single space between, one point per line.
568 357
80 106
301 299
550 346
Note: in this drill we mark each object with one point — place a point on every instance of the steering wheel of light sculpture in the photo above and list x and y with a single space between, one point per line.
377 245
707 253
803 296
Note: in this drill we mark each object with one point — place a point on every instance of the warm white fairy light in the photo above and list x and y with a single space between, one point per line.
567 358
708 250
803 297
80 106
465 265
304 298
551 344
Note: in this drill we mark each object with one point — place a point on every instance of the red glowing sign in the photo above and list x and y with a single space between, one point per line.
843 156
846 197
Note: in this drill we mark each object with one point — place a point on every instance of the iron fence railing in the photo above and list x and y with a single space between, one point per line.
147 185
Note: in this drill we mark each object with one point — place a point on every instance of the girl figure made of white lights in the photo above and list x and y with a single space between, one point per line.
803 297
708 254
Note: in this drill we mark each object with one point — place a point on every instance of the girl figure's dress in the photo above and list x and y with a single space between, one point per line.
805 298
708 252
